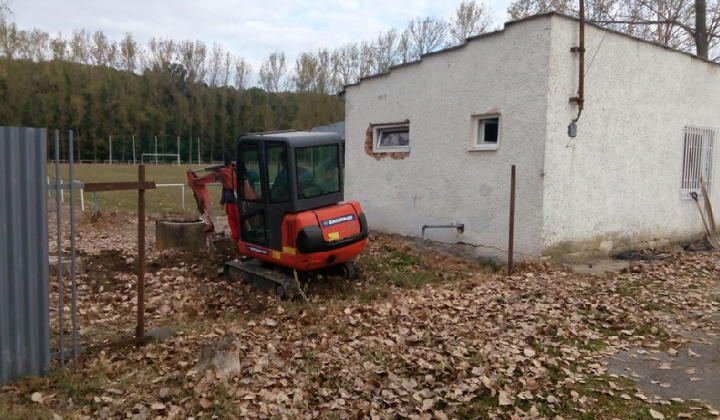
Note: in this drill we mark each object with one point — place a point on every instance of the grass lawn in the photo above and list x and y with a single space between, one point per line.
162 199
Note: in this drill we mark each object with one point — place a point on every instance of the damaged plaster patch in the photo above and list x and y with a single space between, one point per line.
485 190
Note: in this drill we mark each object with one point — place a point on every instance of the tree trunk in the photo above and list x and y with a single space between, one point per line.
701 35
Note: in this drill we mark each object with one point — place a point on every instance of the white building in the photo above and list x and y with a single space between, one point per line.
432 142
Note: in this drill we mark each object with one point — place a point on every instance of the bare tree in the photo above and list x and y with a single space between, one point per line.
33 45
313 72
4 10
325 72
365 59
241 72
305 77
100 50
128 53
385 51
272 72
470 19
404 48
58 48
713 11
160 54
217 69
520 9
226 69
425 35
345 64
80 47
192 56
681 24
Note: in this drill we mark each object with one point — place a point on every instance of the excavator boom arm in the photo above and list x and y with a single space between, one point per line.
198 185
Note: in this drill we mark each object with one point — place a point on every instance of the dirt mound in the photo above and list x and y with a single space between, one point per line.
106 262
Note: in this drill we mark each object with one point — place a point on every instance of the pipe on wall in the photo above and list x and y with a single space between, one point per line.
580 98
459 227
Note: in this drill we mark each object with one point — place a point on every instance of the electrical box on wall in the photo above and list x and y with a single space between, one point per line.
572 130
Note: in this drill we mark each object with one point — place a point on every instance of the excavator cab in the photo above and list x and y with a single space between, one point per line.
291 205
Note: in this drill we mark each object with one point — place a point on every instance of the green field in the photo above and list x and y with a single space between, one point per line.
162 199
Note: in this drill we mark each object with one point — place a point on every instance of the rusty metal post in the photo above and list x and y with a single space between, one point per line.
511 234
140 331
581 65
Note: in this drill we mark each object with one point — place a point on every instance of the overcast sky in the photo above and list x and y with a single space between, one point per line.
250 28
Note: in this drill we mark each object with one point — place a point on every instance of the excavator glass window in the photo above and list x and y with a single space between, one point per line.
317 170
278 172
251 171
252 227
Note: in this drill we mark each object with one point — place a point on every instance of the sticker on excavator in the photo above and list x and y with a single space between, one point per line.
256 249
334 221
276 255
334 236
289 250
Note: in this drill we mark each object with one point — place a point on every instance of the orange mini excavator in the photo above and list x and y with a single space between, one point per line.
291 207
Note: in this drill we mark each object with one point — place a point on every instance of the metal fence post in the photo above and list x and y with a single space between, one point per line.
511 233
58 209
140 331
73 279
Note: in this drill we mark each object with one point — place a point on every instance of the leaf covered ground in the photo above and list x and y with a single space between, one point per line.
450 339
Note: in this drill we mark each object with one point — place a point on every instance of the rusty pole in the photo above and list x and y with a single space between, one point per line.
511 234
580 98
581 66
140 331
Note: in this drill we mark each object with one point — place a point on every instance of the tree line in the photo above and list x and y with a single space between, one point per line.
100 87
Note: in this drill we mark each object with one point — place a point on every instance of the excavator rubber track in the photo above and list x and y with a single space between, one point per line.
264 277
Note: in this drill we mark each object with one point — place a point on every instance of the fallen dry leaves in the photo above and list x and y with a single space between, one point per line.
523 340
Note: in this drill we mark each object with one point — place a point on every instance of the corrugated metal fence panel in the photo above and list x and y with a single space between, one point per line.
24 279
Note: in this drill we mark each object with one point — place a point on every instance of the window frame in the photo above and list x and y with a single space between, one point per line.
478 123
698 163
377 131
334 157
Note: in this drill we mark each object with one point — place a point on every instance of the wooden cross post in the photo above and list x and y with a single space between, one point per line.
140 186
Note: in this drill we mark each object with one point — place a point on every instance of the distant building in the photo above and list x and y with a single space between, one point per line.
338 127
432 142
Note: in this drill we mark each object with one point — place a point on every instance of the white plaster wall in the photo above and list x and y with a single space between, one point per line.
441 182
619 179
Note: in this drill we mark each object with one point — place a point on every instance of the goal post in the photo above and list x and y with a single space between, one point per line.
155 157
149 149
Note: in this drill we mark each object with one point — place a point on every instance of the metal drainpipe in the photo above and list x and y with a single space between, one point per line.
580 98
460 228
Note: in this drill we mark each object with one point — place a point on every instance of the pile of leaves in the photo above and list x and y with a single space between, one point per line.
449 339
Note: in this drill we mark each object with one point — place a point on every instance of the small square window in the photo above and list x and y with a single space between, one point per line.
392 138
486 133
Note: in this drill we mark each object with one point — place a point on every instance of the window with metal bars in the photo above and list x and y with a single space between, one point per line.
698 159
